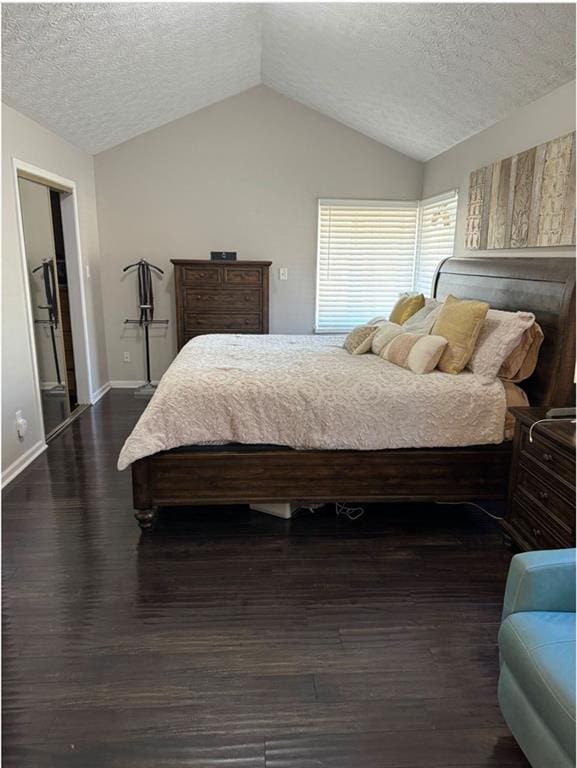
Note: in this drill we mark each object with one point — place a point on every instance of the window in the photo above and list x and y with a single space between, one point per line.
370 251
435 238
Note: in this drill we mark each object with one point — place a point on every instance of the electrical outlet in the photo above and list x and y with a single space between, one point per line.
283 273
21 425
126 357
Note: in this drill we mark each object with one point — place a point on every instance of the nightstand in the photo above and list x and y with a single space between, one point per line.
541 509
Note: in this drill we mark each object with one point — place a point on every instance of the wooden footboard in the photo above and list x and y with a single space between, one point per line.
186 478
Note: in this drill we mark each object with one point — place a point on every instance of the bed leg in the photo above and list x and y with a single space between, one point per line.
146 518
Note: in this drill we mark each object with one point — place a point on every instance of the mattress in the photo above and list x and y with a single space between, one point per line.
307 392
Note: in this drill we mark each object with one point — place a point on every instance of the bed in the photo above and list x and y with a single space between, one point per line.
229 463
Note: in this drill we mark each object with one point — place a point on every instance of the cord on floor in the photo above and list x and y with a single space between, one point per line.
471 504
353 513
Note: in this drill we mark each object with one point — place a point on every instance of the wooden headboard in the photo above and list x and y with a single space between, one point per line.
544 286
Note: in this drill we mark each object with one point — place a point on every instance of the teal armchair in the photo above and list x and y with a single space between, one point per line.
537 654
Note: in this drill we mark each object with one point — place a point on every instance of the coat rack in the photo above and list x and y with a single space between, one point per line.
146 316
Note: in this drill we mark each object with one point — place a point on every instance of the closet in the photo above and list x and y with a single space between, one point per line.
50 302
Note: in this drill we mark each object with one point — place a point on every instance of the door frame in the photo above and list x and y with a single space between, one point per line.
73 253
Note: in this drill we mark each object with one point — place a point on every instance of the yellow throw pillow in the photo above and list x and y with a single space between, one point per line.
460 322
406 307
359 339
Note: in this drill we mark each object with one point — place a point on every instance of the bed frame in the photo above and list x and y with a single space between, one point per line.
249 474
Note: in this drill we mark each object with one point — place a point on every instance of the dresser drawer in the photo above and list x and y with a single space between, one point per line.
201 276
242 275
547 502
535 532
548 455
235 322
241 298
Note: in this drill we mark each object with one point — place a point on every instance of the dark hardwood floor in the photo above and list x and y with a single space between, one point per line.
232 638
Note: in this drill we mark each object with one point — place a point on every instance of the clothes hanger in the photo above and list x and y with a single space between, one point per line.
143 261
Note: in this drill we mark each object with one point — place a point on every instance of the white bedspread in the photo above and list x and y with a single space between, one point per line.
308 392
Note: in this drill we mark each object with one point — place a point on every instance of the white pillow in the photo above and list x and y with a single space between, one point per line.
500 333
423 320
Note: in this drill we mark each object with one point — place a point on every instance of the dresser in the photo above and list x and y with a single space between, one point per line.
541 510
219 297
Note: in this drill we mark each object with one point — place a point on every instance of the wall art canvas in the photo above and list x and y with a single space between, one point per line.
524 201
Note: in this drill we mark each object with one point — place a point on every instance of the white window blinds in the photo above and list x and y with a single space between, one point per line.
366 254
436 237
370 251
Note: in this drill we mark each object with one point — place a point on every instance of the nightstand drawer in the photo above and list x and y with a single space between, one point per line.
547 502
549 456
553 480
532 531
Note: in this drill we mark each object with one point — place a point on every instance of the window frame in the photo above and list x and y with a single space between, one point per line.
368 203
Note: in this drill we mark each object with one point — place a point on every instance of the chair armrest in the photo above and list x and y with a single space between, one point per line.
541 581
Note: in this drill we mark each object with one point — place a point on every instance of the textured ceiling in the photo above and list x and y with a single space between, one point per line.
417 77
101 73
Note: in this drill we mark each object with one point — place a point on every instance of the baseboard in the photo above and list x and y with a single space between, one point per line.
128 384
22 462
100 392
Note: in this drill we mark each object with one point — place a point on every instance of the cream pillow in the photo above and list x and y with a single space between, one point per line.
385 333
423 320
500 334
406 306
460 322
359 339
419 352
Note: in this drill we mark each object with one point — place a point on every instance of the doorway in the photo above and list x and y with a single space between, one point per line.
47 272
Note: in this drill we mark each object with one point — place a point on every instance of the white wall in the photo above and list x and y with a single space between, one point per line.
25 140
543 120
243 175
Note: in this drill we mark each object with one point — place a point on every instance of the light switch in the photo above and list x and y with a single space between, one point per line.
283 273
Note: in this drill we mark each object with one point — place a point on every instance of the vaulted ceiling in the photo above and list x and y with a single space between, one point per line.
417 77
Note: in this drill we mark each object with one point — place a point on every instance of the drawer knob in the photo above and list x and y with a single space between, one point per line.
536 532
543 495
548 457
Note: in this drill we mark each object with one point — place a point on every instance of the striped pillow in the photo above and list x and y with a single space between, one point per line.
418 352
384 334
